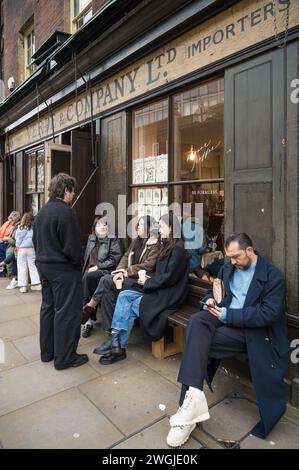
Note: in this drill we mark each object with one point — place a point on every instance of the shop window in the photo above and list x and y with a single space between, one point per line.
199 132
34 181
150 159
81 12
194 174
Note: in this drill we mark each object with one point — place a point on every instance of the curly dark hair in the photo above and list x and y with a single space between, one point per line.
59 183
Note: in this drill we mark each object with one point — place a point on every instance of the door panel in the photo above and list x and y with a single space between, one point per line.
254 167
113 160
81 169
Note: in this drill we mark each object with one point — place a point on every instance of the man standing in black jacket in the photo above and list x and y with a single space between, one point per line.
59 260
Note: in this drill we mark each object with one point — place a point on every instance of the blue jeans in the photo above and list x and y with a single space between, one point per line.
126 310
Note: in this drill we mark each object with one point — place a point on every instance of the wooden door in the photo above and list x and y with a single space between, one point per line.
113 163
254 153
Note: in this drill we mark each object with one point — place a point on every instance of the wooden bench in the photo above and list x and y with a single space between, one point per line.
179 320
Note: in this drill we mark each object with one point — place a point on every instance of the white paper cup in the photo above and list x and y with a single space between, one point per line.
119 284
142 274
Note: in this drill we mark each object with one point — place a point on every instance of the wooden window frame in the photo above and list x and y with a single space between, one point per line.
28 68
74 19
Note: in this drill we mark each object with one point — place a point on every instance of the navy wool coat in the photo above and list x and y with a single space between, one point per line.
264 321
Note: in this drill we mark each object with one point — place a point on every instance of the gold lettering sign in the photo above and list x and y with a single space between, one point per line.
240 26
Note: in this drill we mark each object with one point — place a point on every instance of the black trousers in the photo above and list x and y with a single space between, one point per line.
207 338
61 312
107 294
90 283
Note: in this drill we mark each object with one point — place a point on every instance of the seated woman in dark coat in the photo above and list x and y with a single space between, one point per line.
163 292
102 254
142 254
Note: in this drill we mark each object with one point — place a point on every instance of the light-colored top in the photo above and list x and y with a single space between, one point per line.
24 238
239 285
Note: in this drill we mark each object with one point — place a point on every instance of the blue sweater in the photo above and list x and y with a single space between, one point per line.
239 285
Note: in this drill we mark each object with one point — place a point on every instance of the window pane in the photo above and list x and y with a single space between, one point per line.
30 168
151 201
79 5
198 122
40 171
211 196
87 16
149 149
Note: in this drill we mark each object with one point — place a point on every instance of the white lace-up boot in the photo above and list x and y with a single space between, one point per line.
178 435
193 410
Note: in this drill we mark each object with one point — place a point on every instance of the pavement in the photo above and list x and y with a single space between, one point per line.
121 406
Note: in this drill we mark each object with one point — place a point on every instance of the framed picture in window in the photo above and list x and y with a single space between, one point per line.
141 210
141 196
163 210
138 171
148 196
162 168
149 170
156 196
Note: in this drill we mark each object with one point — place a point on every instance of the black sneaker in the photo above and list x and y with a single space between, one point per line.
86 330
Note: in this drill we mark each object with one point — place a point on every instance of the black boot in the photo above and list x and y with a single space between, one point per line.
113 357
111 345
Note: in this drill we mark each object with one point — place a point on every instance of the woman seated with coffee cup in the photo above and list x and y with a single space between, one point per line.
141 255
102 254
163 292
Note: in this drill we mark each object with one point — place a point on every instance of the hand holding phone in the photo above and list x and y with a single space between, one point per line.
212 302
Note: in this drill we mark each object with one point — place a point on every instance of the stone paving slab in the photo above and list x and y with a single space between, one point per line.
67 420
15 329
231 419
13 357
29 347
131 396
285 435
32 382
18 311
154 437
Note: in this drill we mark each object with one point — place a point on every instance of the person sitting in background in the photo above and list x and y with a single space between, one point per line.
162 293
142 254
11 252
5 232
26 254
102 254
195 242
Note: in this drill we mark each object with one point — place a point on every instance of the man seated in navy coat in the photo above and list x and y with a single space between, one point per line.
250 318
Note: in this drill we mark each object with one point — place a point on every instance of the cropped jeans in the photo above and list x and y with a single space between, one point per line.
126 311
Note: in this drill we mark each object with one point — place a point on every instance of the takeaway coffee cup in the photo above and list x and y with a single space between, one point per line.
142 274
119 284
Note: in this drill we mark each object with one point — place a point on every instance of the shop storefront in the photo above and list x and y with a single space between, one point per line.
205 118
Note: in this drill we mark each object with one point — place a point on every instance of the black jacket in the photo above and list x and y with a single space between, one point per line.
109 253
56 235
165 292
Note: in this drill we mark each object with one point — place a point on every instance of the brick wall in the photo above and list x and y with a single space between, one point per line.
49 16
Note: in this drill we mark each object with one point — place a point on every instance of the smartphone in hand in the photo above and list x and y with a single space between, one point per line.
204 303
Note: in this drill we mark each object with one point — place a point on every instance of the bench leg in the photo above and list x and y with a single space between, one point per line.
161 350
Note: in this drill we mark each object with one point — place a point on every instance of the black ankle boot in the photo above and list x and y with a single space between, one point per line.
111 345
113 357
